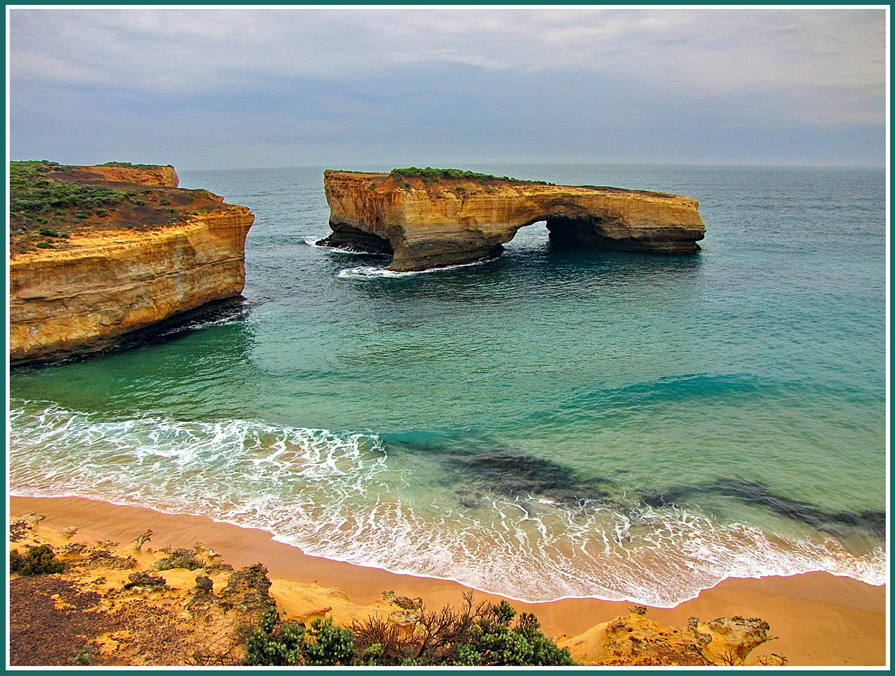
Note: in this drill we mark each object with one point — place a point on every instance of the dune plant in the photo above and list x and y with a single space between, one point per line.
40 560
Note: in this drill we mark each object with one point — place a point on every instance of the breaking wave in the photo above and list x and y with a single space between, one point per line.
376 271
312 242
342 496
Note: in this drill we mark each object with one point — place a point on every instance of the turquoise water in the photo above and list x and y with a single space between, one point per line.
548 424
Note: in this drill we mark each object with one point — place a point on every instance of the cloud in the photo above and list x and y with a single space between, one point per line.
560 83
702 52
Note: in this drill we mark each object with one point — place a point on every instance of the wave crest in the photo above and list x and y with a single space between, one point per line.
341 496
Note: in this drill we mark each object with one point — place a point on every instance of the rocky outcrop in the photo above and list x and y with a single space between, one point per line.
134 266
426 224
635 640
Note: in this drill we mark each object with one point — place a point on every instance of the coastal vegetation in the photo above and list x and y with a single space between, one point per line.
432 175
41 206
39 560
107 603
128 165
445 217
474 635
33 195
48 199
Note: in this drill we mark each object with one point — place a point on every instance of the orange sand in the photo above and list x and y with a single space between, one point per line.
820 619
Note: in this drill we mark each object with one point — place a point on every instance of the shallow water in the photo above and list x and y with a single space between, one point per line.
550 423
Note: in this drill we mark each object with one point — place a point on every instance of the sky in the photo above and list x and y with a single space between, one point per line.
447 86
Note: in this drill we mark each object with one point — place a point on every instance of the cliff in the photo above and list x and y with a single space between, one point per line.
426 221
90 264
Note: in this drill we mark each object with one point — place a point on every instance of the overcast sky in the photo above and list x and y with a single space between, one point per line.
209 88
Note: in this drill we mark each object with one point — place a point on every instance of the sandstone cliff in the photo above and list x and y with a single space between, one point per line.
93 276
431 223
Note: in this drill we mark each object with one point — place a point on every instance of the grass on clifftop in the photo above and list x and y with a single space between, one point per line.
129 165
42 207
31 192
432 175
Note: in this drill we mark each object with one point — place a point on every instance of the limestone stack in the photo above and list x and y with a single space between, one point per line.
426 224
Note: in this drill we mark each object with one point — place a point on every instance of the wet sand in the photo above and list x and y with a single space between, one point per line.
820 619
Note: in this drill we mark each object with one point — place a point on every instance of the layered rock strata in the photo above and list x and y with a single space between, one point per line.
135 266
426 224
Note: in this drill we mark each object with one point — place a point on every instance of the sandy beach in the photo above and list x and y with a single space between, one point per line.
820 619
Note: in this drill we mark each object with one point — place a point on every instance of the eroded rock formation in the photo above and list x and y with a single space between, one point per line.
158 253
426 224
636 640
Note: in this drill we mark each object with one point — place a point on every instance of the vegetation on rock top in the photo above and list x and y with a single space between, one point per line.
31 192
48 199
129 165
432 175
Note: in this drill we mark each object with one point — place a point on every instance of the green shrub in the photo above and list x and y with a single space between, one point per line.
496 643
31 193
39 560
274 644
49 232
164 201
44 245
137 202
128 165
84 655
180 558
431 175
82 214
332 646
482 635
277 644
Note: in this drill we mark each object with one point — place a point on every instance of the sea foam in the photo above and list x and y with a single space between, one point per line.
375 271
341 496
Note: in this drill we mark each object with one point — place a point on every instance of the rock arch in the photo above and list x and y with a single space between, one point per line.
426 224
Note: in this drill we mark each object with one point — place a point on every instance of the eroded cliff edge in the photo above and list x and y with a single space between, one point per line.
428 219
97 253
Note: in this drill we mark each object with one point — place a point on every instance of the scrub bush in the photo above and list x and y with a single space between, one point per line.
39 560
276 644
474 635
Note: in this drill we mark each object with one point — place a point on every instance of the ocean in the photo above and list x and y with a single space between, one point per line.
552 423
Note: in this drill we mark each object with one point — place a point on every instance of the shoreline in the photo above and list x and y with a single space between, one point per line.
820 619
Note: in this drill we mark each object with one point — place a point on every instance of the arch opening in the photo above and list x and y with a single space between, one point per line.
354 239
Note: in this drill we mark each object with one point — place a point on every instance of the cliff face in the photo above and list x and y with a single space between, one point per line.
431 224
119 274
